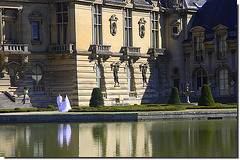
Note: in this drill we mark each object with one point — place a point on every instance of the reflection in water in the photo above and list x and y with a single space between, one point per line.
212 138
64 134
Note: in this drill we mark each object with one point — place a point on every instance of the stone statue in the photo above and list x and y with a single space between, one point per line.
143 68
115 69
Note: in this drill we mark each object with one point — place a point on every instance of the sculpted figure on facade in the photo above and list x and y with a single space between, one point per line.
142 29
143 69
113 24
115 69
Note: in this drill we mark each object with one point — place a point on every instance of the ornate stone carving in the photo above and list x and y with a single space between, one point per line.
115 68
113 24
142 29
175 28
143 68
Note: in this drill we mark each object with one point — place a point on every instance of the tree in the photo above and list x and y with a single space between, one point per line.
174 98
97 98
206 98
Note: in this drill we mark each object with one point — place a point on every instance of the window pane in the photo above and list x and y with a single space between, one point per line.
8 30
35 25
59 18
58 7
64 7
64 33
65 17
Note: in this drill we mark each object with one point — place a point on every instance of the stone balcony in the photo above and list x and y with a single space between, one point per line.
131 51
101 49
61 48
155 52
14 49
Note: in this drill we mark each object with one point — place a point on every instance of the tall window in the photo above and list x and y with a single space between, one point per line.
128 27
35 29
198 47
221 47
200 79
223 82
155 34
62 22
97 21
37 77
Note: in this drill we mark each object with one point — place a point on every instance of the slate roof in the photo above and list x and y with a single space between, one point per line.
215 12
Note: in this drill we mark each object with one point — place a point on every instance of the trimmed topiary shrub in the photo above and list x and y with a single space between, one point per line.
50 107
206 98
97 98
17 109
174 98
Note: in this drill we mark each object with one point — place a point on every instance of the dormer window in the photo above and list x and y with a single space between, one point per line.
221 47
198 49
175 28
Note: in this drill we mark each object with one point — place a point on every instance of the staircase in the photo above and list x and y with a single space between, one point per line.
6 103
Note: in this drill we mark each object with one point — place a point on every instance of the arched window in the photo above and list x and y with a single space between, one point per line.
200 79
223 82
37 77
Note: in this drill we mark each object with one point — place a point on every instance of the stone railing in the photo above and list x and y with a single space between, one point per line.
156 51
38 88
101 49
61 48
15 48
131 51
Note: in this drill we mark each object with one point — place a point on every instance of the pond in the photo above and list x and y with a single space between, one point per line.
176 138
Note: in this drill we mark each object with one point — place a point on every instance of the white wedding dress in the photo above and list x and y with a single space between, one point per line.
66 106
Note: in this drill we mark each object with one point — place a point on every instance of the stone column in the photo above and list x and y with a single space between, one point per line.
1 29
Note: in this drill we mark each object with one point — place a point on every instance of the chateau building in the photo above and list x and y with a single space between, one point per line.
135 51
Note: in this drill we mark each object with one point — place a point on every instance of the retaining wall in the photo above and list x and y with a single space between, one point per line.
120 117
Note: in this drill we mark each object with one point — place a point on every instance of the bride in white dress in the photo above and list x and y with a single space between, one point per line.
66 106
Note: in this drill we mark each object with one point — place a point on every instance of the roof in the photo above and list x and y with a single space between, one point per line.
215 12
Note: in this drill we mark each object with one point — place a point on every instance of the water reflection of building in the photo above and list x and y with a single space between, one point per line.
114 140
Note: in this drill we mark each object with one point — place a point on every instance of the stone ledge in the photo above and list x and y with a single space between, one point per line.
111 116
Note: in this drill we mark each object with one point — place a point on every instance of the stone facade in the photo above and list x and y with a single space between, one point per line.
132 50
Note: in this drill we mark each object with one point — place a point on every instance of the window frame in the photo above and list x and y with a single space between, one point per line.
128 38
61 22
97 24
154 30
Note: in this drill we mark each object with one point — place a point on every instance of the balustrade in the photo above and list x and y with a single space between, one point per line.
131 51
14 48
101 49
38 88
61 48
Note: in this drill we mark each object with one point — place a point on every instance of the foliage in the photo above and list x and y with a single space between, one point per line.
206 98
129 108
17 109
97 98
174 97
26 88
50 107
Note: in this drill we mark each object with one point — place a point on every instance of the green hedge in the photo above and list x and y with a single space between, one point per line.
174 98
96 98
206 98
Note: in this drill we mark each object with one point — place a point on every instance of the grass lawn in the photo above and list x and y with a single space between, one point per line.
130 108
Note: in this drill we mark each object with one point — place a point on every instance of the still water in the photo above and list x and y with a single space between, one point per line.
179 138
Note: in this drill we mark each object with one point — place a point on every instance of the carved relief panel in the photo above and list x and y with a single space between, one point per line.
113 24
142 29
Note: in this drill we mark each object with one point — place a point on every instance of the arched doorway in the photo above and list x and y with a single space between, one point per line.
199 78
